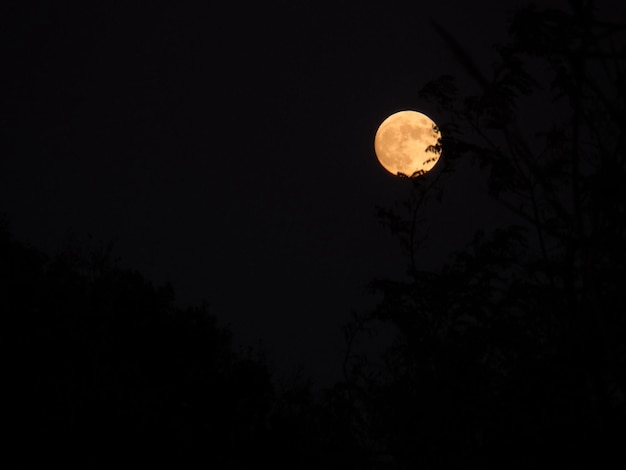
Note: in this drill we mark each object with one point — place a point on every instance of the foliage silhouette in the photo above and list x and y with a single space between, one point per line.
108 370
512 354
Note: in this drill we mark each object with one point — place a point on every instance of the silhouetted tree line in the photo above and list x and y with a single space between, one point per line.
106 372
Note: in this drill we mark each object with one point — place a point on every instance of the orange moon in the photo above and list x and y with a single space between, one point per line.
408 144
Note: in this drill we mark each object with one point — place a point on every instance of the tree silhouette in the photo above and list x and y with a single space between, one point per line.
109 372
512 354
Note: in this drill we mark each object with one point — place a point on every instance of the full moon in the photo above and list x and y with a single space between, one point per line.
408 144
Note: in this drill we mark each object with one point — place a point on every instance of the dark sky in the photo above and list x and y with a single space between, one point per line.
229 150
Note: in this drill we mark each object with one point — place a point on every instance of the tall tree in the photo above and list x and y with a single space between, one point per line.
515 349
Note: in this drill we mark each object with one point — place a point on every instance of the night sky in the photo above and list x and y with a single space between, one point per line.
229 150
